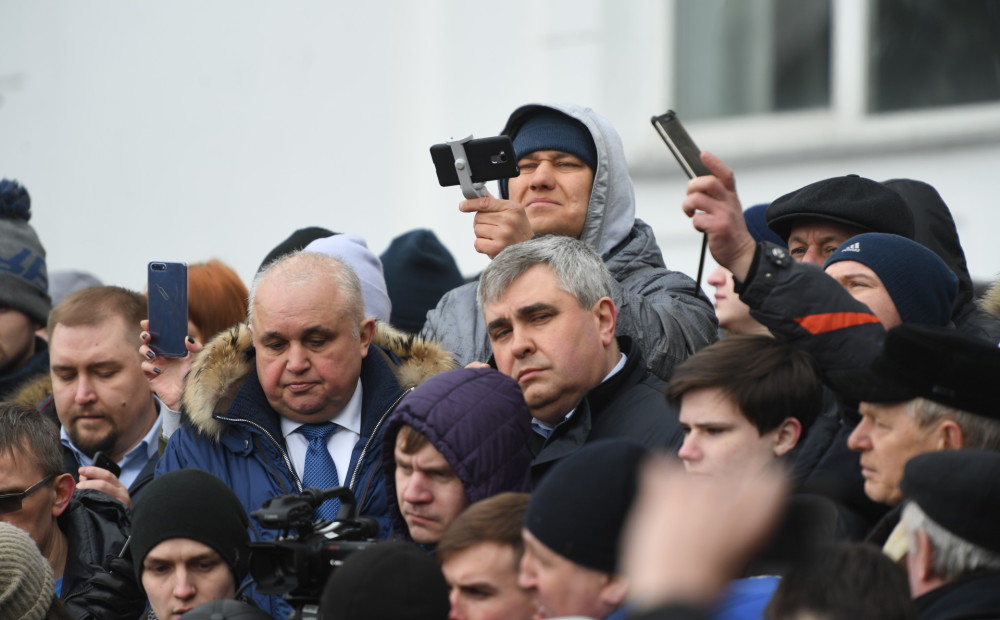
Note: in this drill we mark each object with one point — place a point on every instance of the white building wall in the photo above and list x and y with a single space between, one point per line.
189 130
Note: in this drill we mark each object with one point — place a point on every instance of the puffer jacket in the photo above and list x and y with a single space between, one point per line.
96 526
230 430
478 420
657 307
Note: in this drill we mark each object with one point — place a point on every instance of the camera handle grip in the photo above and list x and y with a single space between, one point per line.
469 189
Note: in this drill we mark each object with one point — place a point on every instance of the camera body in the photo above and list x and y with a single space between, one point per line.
298 562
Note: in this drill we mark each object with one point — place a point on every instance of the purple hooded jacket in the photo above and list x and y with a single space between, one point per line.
478 420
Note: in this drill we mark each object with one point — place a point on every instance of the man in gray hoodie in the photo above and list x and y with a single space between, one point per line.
574 181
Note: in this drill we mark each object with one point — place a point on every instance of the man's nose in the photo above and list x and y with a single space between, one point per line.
298 358
544 176
84 390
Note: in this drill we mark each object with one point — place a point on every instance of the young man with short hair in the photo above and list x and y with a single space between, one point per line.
480 553
745 402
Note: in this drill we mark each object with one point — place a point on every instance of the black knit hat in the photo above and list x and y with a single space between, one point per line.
960 491
850 200
24 280
579 508
386 580
191 503
936 363
418 270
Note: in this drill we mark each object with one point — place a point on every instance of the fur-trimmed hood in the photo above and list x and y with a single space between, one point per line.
990 301
221 367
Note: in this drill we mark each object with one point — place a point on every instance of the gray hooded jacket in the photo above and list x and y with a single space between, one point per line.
657 307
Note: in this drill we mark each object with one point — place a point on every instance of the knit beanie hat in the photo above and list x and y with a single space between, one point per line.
849 200
62 282
387 580
579 508
191 503
419 270
26 583
24 281
549 130
295 242
757 225
353 250
920 284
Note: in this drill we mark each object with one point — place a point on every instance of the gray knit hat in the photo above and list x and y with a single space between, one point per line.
24 281
26 583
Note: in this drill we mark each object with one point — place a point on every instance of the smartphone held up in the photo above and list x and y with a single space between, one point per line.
167 290
688 155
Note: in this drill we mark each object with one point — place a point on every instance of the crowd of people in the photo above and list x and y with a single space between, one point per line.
576 432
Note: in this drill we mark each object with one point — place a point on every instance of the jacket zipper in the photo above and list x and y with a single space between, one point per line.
378 426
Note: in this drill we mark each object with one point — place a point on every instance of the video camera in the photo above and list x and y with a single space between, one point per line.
299 561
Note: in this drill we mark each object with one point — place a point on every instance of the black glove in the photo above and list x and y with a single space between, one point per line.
111 594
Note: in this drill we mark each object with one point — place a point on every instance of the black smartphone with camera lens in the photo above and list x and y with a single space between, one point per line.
489 159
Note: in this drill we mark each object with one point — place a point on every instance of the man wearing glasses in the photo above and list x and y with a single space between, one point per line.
74 530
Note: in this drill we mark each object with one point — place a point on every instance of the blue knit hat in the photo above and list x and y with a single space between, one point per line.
757 225
920 284
549 130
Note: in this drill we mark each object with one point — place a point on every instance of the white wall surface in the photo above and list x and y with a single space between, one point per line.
188 130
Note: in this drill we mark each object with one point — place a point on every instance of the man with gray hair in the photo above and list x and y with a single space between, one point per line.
950 516
929 389
551 321
297 397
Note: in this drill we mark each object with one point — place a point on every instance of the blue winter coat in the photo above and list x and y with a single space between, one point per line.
230 430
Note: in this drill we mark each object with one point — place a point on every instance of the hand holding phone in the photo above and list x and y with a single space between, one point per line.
104 461
167 290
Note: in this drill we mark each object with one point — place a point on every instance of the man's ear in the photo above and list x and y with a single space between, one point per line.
923 556
366 334
607 319
615 590
64 486
787 436
950 436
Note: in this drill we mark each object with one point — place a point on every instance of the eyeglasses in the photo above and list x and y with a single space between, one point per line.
11 502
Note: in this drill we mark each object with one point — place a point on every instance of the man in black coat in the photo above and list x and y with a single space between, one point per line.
952 506
74 529
551 322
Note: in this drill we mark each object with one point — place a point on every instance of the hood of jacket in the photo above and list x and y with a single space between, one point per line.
220 369
478 420
611 211
934 228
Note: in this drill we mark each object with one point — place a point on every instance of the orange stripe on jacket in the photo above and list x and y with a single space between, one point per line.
822 323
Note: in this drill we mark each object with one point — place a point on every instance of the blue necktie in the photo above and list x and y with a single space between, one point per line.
320 471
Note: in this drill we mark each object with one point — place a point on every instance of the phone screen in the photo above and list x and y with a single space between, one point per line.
167 291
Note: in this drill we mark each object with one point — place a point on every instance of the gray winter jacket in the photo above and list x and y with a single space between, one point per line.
658 308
